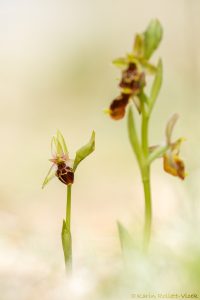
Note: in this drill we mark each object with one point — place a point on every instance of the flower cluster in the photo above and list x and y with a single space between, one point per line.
135 66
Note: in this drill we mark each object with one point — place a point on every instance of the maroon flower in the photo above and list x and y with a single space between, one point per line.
118 106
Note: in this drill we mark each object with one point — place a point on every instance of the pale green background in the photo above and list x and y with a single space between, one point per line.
56 73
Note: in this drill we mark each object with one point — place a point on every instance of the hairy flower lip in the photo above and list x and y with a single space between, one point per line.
118 106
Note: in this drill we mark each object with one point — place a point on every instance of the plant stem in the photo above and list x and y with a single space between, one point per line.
141 151
145 173
68 206
66 234
148 207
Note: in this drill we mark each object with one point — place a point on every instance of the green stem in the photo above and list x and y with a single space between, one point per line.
141 151
68 206
66 233
145 173
148 207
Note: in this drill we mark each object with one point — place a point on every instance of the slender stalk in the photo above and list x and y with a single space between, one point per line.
66 234
148 207
141 151
145 173
68 206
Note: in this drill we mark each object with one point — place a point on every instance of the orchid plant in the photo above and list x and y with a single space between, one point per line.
64 169
135 67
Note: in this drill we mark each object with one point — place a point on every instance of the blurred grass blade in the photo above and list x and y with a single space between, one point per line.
67 245
84 151
61 141
50 175
152 38
156 85
126 241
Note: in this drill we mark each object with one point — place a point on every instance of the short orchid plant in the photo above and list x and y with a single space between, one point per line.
64 169
135 67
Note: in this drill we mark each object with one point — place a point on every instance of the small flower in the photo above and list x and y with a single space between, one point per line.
62 166
172 163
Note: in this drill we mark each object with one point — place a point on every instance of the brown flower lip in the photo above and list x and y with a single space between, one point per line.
64 173
131 84
118 106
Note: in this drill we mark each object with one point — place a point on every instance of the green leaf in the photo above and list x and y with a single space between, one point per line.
126 240
50 175
152 38
84 151
156 84
67 244
133 137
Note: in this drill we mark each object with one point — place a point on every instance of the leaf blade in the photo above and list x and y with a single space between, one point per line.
126 240
133 137
67 244
84 151
156 86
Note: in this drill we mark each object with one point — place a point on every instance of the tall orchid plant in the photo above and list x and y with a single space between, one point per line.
135 67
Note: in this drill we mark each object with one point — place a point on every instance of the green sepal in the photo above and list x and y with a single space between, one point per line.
84 151
120 62
50 175
58 145
67 244
61 141
152 38
138 47
151 69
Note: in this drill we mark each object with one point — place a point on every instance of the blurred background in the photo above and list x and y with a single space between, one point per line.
56 73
